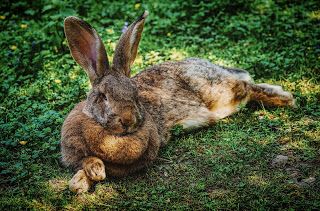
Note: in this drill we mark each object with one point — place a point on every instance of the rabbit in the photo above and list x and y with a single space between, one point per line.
125 120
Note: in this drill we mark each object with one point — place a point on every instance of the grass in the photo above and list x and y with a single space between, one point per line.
226 166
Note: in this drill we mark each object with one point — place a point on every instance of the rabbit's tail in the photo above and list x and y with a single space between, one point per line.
271 95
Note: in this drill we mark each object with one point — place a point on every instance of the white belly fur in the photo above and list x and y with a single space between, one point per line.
203 116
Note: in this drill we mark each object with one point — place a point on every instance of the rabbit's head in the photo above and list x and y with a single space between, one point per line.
113 100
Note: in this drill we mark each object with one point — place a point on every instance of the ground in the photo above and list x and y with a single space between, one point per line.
260 158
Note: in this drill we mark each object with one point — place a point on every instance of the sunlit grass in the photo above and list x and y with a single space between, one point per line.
314 15
223 167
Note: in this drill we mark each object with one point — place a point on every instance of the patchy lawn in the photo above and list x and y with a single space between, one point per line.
230 165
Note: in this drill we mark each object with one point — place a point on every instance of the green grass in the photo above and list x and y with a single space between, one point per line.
226 166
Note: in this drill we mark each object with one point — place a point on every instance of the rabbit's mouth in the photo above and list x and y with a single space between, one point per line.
120 131
119 128
134 127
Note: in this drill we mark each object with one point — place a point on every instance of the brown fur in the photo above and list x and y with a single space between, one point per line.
123 122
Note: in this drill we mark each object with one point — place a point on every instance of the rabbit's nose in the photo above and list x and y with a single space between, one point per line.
127 121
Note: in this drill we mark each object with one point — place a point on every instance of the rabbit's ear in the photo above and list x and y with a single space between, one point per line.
86 47
127 47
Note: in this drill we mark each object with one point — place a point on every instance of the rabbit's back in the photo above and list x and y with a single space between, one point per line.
205 69
192 92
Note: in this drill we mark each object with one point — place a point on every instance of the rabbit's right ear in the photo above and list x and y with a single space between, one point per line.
86 47
127 47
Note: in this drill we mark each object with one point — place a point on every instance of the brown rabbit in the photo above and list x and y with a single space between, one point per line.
123 122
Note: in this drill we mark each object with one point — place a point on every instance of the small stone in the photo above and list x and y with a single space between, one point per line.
309 180
280 160
293 173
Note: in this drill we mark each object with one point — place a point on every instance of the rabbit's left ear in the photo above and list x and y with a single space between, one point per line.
127 47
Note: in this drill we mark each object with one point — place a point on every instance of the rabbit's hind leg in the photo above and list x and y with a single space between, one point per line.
271 95
227 97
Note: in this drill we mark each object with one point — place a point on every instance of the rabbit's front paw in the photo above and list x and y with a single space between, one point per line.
95 169
80 183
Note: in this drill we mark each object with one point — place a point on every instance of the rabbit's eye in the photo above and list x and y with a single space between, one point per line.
104 97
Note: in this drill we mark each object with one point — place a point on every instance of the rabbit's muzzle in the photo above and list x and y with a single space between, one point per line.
125 123
128 121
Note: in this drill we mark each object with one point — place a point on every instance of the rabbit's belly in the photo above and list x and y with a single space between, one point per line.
222 112
220 108
204 117
198 118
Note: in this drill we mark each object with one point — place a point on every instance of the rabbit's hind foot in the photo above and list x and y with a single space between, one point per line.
272 95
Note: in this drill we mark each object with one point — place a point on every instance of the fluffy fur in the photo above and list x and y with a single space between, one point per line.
124 121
